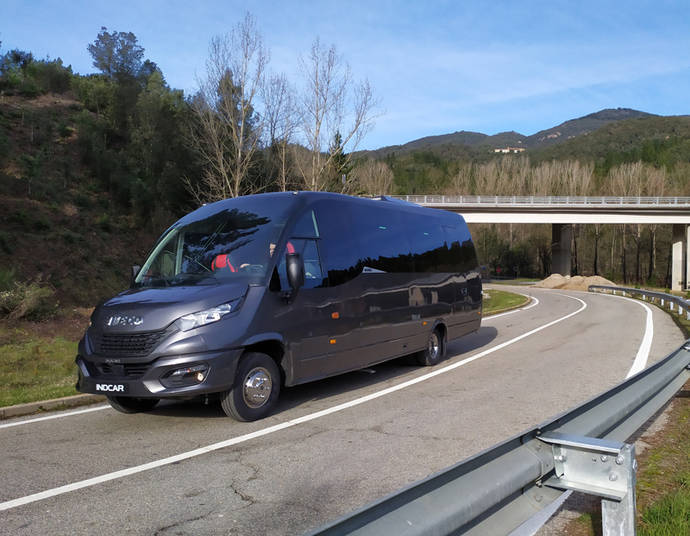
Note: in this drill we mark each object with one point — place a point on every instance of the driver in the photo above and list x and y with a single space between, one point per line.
223 261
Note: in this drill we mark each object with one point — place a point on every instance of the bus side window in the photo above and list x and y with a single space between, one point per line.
313 272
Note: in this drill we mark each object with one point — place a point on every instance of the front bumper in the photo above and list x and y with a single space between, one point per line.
122 377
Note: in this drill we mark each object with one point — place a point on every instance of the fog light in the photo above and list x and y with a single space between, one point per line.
186 376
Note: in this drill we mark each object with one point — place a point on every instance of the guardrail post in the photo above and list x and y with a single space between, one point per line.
597 467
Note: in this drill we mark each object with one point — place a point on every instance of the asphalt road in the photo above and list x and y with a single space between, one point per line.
332 446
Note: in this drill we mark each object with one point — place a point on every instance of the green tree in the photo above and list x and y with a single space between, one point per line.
116 54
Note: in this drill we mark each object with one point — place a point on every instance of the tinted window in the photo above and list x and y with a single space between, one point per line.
462 254
337 245
359 237
382 239
306 226
428 242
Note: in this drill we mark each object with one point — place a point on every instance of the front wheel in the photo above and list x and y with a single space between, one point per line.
433 353
255 389
125 404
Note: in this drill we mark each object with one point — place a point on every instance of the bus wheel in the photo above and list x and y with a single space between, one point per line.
125 404
434 350
256 388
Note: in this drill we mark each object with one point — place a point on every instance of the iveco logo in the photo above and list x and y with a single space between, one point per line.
123 320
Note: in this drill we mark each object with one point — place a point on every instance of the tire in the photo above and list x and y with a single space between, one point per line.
434 351
125 404
255 389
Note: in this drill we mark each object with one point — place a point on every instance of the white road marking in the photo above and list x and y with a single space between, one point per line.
642 356
534 303
534 523
57 416
275 428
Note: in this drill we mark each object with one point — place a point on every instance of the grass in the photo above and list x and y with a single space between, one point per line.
663 482
514 281
35 368
496 301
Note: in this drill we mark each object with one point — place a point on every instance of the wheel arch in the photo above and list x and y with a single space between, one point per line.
272 345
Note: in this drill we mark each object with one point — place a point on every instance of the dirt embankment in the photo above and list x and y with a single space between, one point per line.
576 282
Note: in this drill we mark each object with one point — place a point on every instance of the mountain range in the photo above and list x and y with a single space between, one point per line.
568 130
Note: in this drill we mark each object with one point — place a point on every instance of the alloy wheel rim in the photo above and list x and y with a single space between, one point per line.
434 345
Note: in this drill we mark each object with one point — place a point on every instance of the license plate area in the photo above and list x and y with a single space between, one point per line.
108 388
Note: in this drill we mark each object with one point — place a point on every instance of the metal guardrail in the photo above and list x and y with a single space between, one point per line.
549 201
497 490
674 303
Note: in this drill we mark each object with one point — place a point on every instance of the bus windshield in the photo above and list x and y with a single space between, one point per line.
228 244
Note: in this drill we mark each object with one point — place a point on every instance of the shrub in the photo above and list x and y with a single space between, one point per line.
64 130
7 278
103 221
6 245
70 237
28 301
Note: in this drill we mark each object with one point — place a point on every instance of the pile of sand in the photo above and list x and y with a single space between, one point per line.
576 282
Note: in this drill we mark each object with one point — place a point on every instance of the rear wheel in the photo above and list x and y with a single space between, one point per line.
255 390
433 353
125 404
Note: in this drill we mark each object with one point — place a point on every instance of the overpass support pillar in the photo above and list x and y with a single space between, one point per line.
561 237
680 268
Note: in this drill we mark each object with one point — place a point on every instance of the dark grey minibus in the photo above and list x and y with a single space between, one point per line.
244 296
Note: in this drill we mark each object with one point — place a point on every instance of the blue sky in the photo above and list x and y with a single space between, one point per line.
435 66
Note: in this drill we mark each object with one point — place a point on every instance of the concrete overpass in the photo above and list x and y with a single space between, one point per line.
560 212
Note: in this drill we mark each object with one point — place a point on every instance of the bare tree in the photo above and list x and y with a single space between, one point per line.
628 180
281 121
462 182
227 129
331 104
373 177
656 186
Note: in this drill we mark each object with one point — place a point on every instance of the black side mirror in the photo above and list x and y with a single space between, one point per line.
295 270
135 271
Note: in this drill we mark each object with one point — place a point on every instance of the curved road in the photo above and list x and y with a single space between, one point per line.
332 446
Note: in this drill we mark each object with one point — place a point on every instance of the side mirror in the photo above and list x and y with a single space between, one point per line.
135 271
295 270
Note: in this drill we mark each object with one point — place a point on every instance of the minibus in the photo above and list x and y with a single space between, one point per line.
249 295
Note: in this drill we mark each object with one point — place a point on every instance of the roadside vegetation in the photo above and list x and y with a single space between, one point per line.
497 301
663 480
35 367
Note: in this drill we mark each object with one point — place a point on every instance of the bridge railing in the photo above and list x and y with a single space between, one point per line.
495 200
500 489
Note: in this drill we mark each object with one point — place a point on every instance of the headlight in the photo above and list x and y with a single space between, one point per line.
208 316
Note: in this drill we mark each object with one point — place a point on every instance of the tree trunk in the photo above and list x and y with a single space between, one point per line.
652 248
624 264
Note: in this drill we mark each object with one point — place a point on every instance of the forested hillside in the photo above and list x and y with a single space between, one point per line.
93 167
